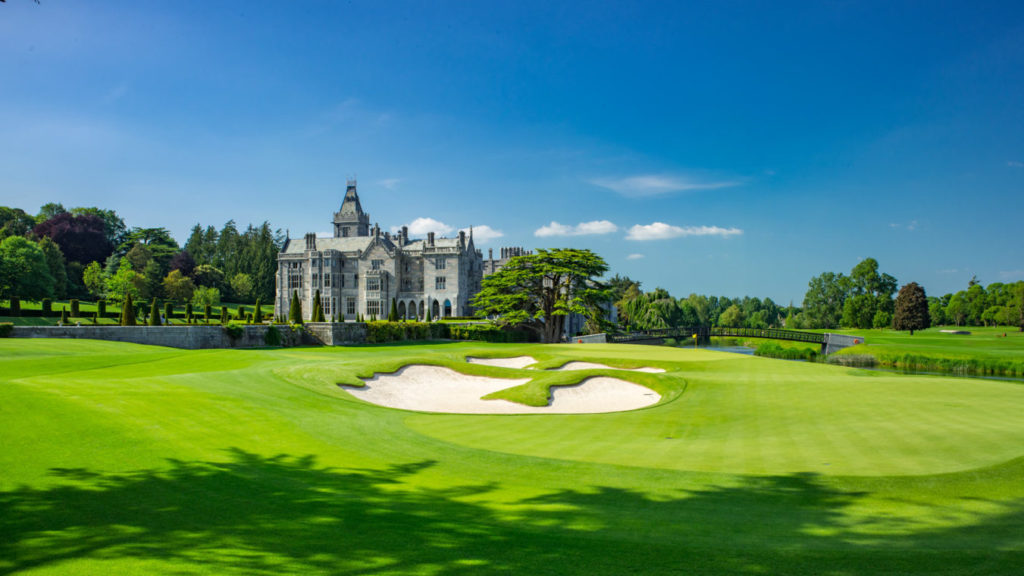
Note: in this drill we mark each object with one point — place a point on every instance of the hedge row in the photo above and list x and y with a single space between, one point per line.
381 332
5 329
489 334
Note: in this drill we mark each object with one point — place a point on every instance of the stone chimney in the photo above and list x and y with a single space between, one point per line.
310 241
430 238
405 235
462 238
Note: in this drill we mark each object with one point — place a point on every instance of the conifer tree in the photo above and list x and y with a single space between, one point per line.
295 310
224 315
318 311
257 316
64 316
168 312
207 312
188 312
393 313
128 312
154 314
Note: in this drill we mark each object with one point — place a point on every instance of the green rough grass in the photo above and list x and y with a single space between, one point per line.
119 458
984 351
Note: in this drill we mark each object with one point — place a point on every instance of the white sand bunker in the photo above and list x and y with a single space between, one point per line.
515 362
437 389
594 365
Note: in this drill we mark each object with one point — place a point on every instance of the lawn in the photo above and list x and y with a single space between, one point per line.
119 458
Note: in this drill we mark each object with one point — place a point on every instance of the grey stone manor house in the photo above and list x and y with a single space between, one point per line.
360 270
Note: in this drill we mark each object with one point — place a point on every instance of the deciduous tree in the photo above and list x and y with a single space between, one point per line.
911 309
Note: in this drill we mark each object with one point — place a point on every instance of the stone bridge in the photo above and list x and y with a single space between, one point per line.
829 342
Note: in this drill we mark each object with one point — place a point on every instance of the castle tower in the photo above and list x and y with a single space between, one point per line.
350 220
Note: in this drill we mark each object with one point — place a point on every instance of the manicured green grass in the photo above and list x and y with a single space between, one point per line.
118 458
986 350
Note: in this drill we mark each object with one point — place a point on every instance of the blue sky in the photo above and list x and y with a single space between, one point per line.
728 148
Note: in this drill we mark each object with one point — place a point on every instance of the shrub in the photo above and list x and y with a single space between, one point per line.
257 316
15 306
188 312
168 311
101 307
381 332
64 316
74 307
234 331
5 329
224 315
240 313
47 305
207 312
295 309
95 317
127 312
773 350
272 337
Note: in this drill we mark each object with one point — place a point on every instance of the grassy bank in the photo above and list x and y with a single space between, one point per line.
120 458
983 351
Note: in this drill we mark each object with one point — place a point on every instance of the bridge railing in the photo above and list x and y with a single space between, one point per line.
773 333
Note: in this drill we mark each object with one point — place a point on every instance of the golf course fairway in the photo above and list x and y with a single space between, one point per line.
125 459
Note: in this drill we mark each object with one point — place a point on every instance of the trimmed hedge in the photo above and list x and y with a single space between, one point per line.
5 329
489 334
381 332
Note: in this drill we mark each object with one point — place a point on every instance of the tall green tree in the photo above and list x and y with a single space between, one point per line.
95 280
318 311
24 271
128 311
57 265
295 309
911 309
125 282
538 291
824 300
154 314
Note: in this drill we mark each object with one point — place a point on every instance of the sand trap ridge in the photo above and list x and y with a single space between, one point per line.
515 362
593 365
438 389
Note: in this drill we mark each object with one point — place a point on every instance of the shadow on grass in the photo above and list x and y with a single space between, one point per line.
259 515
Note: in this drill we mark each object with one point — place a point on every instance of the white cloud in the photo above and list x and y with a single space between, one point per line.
909 226
634 257
1015 164
662 231
389 183
483 234
656 185
582 229
420 227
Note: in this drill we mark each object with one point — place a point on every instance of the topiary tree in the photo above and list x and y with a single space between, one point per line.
95 317
224 315
168 311
154 314
257 316
128 312
101 307
207 312
295 309
318 311
47 306
74 308
393 313
64 316
188 312
911 309
240 313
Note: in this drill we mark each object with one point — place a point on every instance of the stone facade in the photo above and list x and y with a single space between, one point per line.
360 270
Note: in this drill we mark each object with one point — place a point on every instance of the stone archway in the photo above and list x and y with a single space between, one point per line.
412 310
401 310
447 308
435 310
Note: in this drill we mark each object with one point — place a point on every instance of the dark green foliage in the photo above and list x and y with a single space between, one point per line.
15 306
318 311
272 337
47 306
258 314
64 316
393 314
240 313
252 252
101 307
168 311
295 309
154 314
188 312
5 329
382 332
223 314
911 309
95 317
207 312
128 312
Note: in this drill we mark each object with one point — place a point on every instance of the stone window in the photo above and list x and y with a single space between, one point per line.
439 263
439 283
325 303
373 308
373 284
376 264
344 231
294 276
327 280
350 307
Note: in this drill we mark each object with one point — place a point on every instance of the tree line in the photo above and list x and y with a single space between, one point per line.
88 252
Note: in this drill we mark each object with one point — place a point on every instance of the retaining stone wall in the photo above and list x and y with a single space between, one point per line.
188 337
337 333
